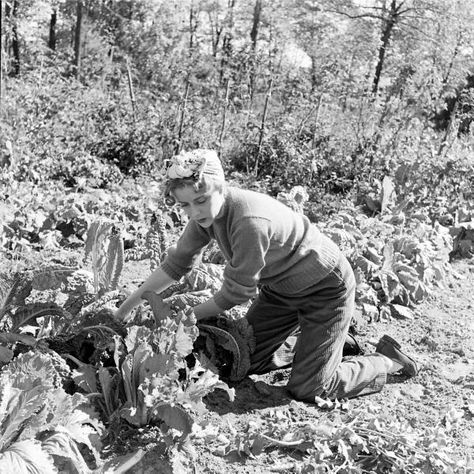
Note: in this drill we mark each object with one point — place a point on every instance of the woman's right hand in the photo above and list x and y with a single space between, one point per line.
124 310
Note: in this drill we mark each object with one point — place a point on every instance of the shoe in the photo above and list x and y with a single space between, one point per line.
351 347
390 348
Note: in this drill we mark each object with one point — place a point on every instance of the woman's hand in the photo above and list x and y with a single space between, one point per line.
123 311
207 309
157 282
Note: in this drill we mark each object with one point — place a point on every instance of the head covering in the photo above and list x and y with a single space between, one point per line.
194 164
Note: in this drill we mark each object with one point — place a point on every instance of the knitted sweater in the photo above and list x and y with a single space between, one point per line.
263 241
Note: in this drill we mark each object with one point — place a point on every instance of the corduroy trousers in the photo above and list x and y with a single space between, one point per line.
320 316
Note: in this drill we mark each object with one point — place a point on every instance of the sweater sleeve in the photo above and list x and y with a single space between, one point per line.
182 257
250 242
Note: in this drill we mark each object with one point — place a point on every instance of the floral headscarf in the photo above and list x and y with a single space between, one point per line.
194 164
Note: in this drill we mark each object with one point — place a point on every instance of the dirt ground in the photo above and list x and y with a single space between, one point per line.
440 337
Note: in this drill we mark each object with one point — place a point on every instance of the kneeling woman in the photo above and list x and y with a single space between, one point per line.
297 278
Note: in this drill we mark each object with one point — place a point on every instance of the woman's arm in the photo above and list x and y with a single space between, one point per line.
157 282
207 309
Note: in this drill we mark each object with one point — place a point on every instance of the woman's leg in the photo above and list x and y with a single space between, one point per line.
321 317
318 368
273 325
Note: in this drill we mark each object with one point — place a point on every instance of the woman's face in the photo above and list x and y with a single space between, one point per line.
201 206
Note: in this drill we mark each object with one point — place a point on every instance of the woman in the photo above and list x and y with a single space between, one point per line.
297 278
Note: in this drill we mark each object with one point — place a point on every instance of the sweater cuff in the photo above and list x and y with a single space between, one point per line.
222 301
171 272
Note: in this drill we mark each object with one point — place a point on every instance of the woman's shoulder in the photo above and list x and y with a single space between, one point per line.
248 196
245 203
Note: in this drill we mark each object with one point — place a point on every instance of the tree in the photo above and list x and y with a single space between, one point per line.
78 38
1 50
257 12
227 47
399 15
52 30
11 15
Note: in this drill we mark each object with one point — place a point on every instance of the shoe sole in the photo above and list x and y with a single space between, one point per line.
389 340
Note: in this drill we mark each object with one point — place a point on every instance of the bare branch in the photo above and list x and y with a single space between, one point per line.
362 15
373 8
404 11
117 15
408 26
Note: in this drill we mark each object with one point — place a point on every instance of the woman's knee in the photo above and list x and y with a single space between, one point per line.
306 393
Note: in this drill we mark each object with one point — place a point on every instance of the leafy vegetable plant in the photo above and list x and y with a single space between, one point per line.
41 425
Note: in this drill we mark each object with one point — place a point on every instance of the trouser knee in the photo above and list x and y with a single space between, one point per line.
306 394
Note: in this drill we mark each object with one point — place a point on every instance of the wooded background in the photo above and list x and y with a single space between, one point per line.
330 94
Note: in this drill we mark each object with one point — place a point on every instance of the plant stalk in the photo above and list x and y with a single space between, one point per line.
131 92
183 114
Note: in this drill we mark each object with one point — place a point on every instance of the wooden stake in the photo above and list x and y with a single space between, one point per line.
262 126
224 114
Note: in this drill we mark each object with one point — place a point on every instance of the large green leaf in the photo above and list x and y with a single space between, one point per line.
33 311
51 278
110 388
161 310
123 464
33 368
14 289
84 375
184 300
205 276
202 383
225 340
6 355
61 444
21 406
26 457
33 404
175 417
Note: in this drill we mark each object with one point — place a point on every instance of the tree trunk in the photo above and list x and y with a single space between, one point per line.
451 63
52 30
78 39
314 77
1 50
227 41
224 115
11 11
257 11
216 29
193 25
389 23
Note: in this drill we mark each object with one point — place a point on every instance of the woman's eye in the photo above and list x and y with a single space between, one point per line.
201 201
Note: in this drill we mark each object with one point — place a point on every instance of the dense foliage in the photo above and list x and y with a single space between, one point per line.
331 95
